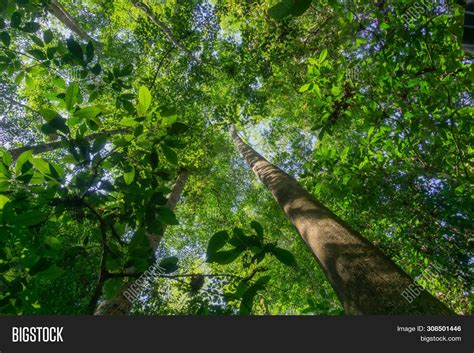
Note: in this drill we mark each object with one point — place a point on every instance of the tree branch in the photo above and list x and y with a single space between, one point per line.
167 31
51 146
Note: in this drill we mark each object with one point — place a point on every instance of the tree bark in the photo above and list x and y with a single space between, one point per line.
62 15
364 279
120 305
51 146
173 199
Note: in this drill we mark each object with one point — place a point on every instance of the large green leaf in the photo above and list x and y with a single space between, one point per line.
144 101
258 229
75 49
87 112
47 36
89 52
166 216
72 95
30 218
170 154
129 175
55 125
288 8
51 273
284 256
249 295
169 264
216 242
224 257
22 159
3 201
49 114
31 27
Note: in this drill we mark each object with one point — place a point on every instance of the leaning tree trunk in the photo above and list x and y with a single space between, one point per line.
120 305
364 279
62 15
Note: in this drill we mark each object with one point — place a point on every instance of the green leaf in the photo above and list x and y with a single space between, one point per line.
459 190
89 52
167 112
53 242
154 159
258 229
287 8
47 36
96 69
128 122
144 101
196 282
37 41
87 112
49 114
31 27
249 295
336 91
30 218
51 273
284 256
281 10
300 7
75 49
240 240
167 216
72 95
22 159
99 143
55 125
216 242
170 155
6 157
224 257
129 176
15 20
178 128
6 40
36 53
41 165
169 264
305 87
3 201
323 56
40 265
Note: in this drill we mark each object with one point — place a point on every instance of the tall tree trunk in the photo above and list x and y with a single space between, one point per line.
62 15
120 305
364 279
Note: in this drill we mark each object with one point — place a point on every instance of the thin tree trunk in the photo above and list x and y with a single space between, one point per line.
51 146
364 279
120 305
173 199
148 11
62 15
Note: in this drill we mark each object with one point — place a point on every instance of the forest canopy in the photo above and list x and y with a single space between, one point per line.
224 157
